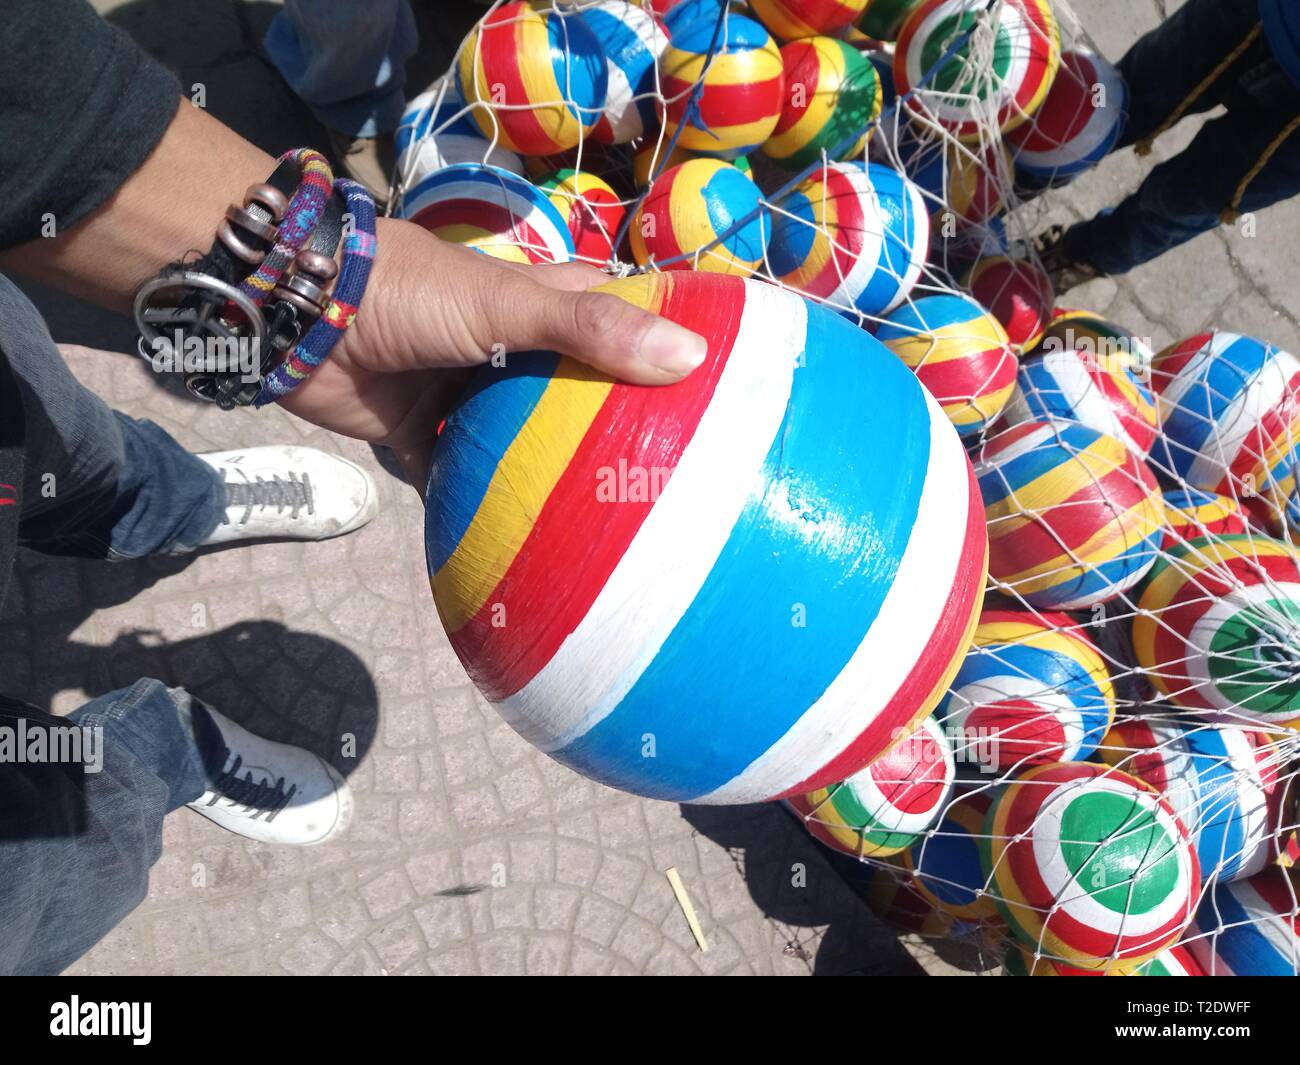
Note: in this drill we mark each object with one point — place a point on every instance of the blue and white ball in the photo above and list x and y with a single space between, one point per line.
436 132
633 40
492 211
1079 123
1250 927
854 236
1222 782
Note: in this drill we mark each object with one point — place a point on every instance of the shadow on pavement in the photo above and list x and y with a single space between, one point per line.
794 885
295 687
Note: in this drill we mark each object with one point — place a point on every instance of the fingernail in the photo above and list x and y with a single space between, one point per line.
668 347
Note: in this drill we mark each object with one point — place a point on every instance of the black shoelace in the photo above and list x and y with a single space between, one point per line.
292 492
267 798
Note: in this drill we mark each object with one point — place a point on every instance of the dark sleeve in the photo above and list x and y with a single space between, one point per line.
81 107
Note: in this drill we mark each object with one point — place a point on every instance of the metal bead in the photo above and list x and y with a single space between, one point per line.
269 198
303 293
261 229
236 245
317 265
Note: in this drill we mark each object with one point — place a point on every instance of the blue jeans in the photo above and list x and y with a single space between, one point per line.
76 841
1186 195
75 849
97 484
346 59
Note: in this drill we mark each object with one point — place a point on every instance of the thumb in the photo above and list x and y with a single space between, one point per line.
610 335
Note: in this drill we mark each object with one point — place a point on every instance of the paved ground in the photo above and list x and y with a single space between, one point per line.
471 852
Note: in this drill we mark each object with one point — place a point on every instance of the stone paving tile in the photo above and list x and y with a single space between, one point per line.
471 853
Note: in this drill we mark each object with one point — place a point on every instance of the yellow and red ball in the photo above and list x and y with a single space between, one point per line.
539 76
590 207
832 93
689 208
959 351
743 86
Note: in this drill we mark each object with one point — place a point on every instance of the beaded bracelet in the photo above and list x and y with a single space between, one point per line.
315 346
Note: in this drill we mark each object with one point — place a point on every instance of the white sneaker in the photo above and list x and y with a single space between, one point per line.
290 493
267 791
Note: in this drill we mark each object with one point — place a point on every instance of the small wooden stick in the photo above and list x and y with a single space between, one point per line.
684 901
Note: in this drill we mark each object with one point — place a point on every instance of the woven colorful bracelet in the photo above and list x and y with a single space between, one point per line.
299 220
358 255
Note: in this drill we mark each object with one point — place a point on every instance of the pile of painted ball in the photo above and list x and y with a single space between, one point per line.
1003 606
539 89
1126 723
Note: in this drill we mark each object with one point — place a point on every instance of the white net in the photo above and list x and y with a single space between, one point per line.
1109 784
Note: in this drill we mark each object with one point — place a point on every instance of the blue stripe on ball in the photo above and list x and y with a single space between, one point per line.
579 67
769 559
792 238
1196 416
725 195
492 423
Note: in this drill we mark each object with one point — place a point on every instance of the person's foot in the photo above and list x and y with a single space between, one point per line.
267 791
290 493
368 160
1062 260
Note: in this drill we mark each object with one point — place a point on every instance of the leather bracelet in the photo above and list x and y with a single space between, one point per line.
257 289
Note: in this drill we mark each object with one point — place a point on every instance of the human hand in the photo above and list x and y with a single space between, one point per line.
433 311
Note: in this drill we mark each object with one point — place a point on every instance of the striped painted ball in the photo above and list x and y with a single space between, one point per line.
945 865
492 211
632 39
832 93
712 505
1089 865
743 86
960 353
854 237
442 108
1174 961
1086 370
707 211
961 182
1191 513
434 134
1223 629
1075 518
1230 409
1250 927
883 19
1033 688
539 74
794 19
1011 84
1222 782
886 806
1078 124
591 210
1017 292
